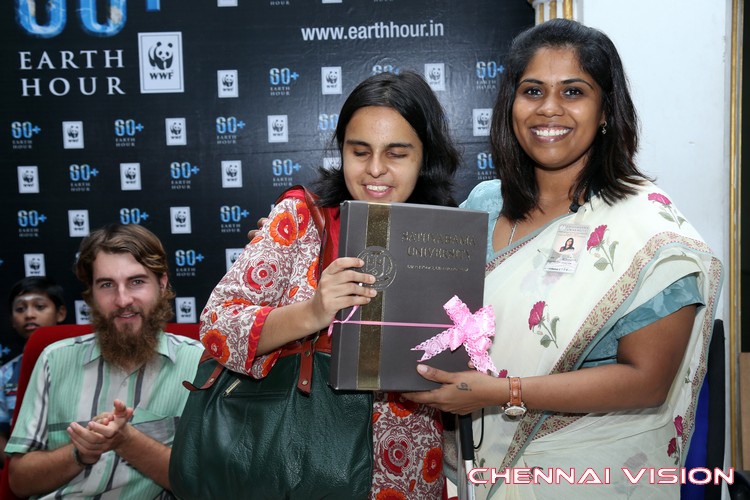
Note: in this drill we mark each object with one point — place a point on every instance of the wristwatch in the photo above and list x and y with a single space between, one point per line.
515 407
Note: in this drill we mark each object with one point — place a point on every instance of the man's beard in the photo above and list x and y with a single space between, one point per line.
127 348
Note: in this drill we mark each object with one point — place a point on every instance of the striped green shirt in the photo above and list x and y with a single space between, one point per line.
72 382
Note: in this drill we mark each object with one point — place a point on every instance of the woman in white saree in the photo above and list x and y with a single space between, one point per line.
601 348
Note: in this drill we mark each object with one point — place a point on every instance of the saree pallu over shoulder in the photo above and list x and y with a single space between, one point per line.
548 322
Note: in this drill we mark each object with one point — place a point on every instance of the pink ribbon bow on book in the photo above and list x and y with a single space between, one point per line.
473 331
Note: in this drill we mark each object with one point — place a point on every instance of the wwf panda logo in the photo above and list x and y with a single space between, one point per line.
79 220
28 176
73 131
435 74
131 173
278 126
332 78
85 312
175 128
180 217
35 264
186 308
233 257
483 119
228 80
160 55
232 170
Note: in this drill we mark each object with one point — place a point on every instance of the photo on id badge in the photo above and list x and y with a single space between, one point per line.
566 248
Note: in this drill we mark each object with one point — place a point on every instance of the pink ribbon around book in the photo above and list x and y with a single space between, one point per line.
473 331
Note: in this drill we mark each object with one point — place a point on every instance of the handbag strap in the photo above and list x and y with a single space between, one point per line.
323 220
306 348
326 221
206 356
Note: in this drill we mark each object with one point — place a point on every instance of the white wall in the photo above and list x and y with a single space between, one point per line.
677 55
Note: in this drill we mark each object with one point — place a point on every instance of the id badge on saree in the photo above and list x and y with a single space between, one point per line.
567 247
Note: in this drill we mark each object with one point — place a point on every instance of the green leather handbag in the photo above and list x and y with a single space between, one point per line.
251 438
288 435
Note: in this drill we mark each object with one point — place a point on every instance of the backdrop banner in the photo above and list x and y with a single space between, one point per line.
191 117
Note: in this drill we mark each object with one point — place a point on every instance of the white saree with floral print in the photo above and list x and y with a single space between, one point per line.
548 321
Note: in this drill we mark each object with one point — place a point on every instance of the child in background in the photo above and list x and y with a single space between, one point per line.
34 301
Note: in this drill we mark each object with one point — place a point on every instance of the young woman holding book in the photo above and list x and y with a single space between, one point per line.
394 144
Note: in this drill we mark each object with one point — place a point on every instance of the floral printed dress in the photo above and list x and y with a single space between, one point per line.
279 268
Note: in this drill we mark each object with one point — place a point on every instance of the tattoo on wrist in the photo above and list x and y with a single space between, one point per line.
463 386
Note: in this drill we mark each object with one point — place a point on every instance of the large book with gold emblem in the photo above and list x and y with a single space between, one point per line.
421 256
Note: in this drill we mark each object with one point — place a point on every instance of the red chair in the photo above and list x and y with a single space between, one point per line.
41 338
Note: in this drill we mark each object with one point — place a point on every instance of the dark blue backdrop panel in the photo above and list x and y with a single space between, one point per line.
191 117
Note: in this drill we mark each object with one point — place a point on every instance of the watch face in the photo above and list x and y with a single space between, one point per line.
515 411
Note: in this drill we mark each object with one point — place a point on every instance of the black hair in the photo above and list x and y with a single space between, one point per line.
610 171
37 284
410 95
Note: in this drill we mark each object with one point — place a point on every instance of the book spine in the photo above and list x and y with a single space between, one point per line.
336 335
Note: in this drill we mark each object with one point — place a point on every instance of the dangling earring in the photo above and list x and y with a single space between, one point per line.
604 128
